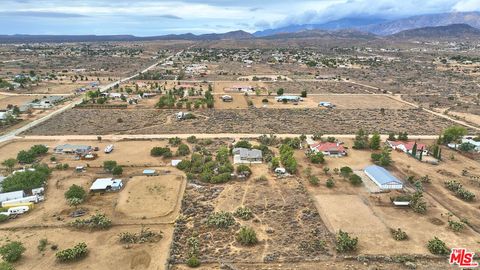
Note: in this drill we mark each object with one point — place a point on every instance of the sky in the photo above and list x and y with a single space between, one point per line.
160 17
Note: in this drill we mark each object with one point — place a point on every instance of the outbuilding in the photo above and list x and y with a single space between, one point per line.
149 172
106 184
384 179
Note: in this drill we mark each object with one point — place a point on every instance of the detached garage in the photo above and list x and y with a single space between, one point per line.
383 178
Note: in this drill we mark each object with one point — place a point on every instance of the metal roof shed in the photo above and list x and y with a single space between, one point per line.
106 184
383 178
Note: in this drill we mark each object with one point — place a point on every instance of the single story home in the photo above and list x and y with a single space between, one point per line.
329 149
46 102
72 149
244 155
106 184
469 140
384 179
407 146
241 88
288 98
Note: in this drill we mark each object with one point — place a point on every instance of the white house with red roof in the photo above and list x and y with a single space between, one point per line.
407 146
329 149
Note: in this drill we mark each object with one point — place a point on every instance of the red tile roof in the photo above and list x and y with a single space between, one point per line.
328 147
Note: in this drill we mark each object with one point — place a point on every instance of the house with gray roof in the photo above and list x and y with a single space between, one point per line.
72 149
244 155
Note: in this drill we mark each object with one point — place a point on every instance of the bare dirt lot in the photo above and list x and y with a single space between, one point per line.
101 245
148 197
308 121
361 102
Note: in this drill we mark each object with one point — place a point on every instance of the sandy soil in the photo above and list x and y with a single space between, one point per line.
472 118
160 193
340 101
239 102
105 252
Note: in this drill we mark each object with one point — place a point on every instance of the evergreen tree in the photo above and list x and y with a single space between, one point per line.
414 150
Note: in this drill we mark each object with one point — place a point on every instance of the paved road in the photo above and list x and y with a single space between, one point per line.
12 134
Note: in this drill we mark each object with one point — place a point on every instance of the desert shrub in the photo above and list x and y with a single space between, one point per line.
346 171
456 226
312 245
243 144
192 139
3 218
221 178
247 236
221 219
244 213
174 141
355 180
346 243
160 151
313 180
75 192
193 262
42 244
79 251
330 183
11 252
117 170
460 191
244 169
398 234
144 236
417 203
97 221
6 266
109 165
437 247
183 150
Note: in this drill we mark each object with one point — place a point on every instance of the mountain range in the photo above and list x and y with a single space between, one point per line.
455 24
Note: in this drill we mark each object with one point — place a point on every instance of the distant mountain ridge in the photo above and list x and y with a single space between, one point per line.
429 20
345 23
462 31
343 28
92 38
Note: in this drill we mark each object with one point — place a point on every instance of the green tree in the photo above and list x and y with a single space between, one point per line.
280 91
109 165
117 170
346 171
6 266
183 150
26 157
453 134
330 183
9 164
361 140
355 180
375 141
317 158
304 94
11 252
75 191
243 144
391 136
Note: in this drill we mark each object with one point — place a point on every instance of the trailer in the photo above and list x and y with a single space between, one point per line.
8 196
30 205
29 199
17 210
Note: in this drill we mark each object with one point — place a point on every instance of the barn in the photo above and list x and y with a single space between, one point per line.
383 179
